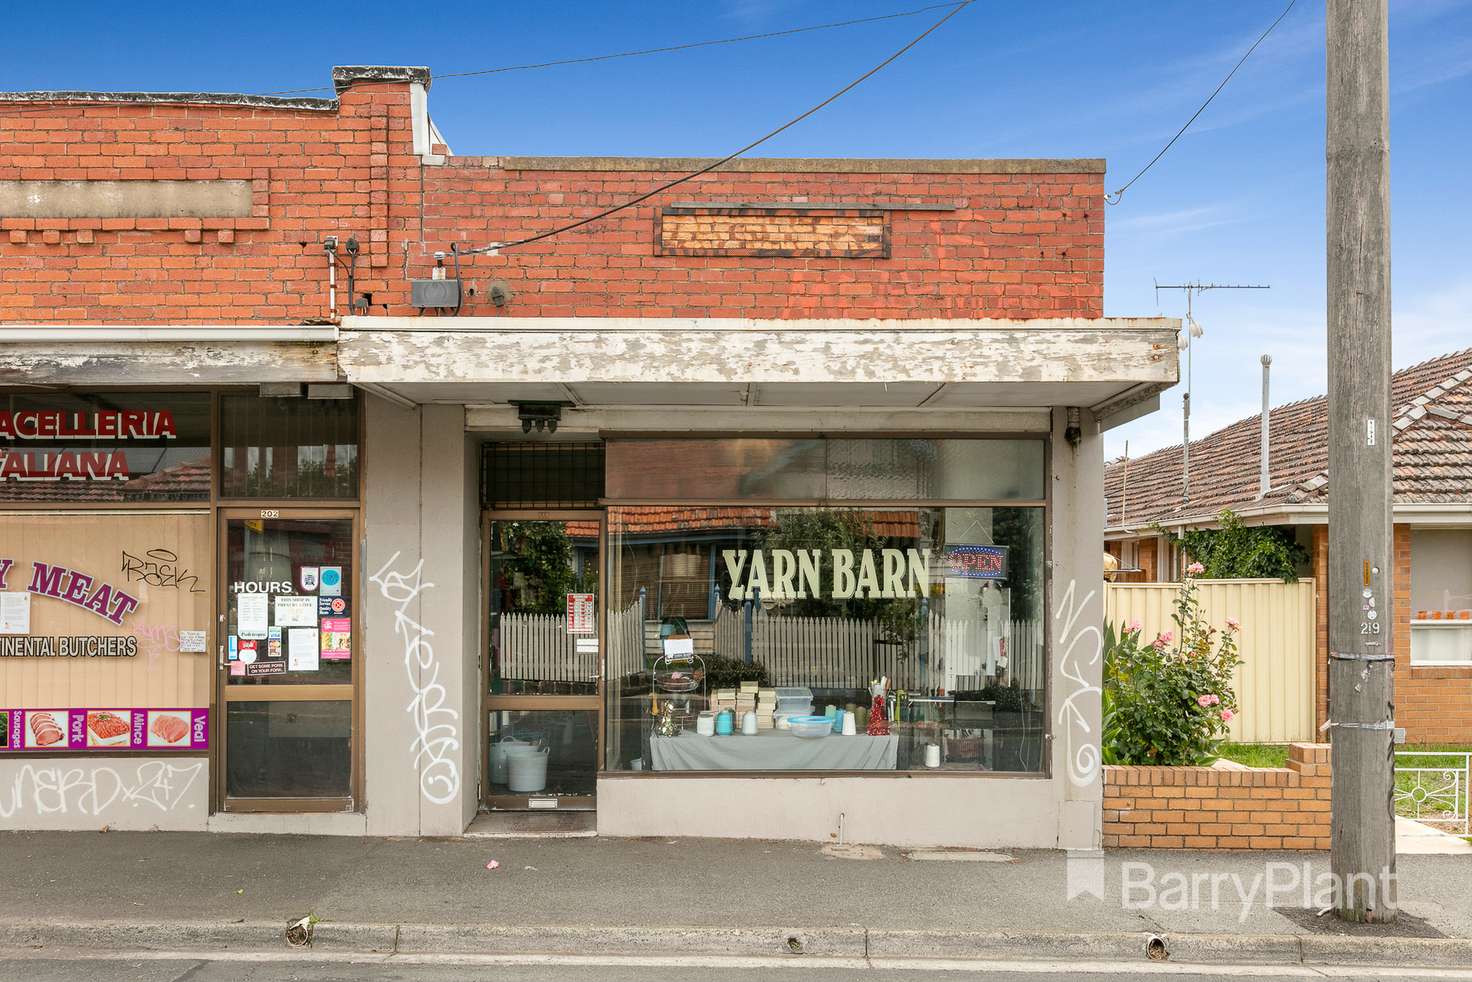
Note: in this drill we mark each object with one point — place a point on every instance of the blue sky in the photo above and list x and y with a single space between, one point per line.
1239 199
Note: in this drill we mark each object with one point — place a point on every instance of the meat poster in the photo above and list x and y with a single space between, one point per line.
66 730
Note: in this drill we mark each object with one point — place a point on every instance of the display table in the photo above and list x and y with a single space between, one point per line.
773 750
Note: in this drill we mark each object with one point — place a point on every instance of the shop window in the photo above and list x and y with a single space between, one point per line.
288 448
805 611
1441 597
105 448
541 475
105 632
826 470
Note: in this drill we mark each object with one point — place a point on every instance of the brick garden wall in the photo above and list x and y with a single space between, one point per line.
1212 808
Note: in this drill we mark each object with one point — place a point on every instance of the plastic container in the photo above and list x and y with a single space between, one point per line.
499 749
527 769
725 722
705 724
810 726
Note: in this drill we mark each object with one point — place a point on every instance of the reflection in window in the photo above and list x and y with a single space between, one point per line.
788 611
288 448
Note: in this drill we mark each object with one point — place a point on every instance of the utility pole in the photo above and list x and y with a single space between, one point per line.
1193 330
1361 595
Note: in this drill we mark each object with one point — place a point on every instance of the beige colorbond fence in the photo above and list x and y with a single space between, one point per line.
1275 683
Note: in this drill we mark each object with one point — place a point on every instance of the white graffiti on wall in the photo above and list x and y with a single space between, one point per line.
1080 649
436 725
94 790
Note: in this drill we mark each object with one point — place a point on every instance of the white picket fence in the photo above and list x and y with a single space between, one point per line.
537 647
842 653
846 653
624 642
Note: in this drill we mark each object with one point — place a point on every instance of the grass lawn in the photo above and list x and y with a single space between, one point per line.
1257 754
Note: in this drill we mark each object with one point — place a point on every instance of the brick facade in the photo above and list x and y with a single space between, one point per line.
1005 239
1433 703
1212 808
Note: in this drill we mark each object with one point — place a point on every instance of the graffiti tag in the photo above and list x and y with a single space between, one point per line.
93 790
1077 653
436 725
160 568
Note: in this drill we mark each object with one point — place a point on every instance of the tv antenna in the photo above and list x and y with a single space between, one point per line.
1193 330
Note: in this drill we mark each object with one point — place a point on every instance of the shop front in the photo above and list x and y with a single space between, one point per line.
172 566
771 595
708 635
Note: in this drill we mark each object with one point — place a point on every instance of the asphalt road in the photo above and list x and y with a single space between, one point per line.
185 969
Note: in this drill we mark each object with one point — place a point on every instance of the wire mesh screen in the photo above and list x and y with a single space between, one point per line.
541 475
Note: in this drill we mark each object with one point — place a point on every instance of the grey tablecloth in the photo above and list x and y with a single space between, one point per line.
773 750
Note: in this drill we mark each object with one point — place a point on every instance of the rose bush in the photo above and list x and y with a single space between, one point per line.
1168 701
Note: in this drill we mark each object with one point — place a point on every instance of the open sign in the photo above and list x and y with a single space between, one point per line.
976 562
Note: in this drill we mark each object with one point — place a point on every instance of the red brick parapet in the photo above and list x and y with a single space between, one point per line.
1216 808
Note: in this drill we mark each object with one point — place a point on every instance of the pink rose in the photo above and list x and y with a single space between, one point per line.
1227 715
1134 627
1195 569
1233 624
1203 701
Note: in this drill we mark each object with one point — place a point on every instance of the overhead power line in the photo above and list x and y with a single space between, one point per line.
21 109
666 49
956 9
1114 197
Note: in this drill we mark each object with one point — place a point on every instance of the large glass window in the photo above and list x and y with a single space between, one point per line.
924 626
106 447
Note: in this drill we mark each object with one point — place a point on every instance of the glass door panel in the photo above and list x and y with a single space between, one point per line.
543 661
287 655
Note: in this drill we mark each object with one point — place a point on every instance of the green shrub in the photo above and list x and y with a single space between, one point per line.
1168 701
1235 550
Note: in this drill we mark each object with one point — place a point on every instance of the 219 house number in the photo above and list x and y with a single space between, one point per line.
270 512
1369 627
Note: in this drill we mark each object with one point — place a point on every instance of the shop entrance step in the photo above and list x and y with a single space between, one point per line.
528 825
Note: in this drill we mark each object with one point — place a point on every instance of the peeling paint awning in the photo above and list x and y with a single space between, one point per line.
85 355
1108 364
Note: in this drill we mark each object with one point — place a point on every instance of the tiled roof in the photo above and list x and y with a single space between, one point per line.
1431 410
186 481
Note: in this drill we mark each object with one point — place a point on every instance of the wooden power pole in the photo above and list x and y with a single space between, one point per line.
1361 591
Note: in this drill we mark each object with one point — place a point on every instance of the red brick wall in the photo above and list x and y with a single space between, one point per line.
1211 808
313 174
1433 704
1022 245
1017 245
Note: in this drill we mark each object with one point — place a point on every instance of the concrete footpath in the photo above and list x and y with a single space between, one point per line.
182 891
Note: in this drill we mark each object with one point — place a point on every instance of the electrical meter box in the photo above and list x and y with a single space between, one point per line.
435 293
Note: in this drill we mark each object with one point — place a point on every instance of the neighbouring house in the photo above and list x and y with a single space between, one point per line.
346 489
1432 423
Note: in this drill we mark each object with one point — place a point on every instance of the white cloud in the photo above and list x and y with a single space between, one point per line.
1177 222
